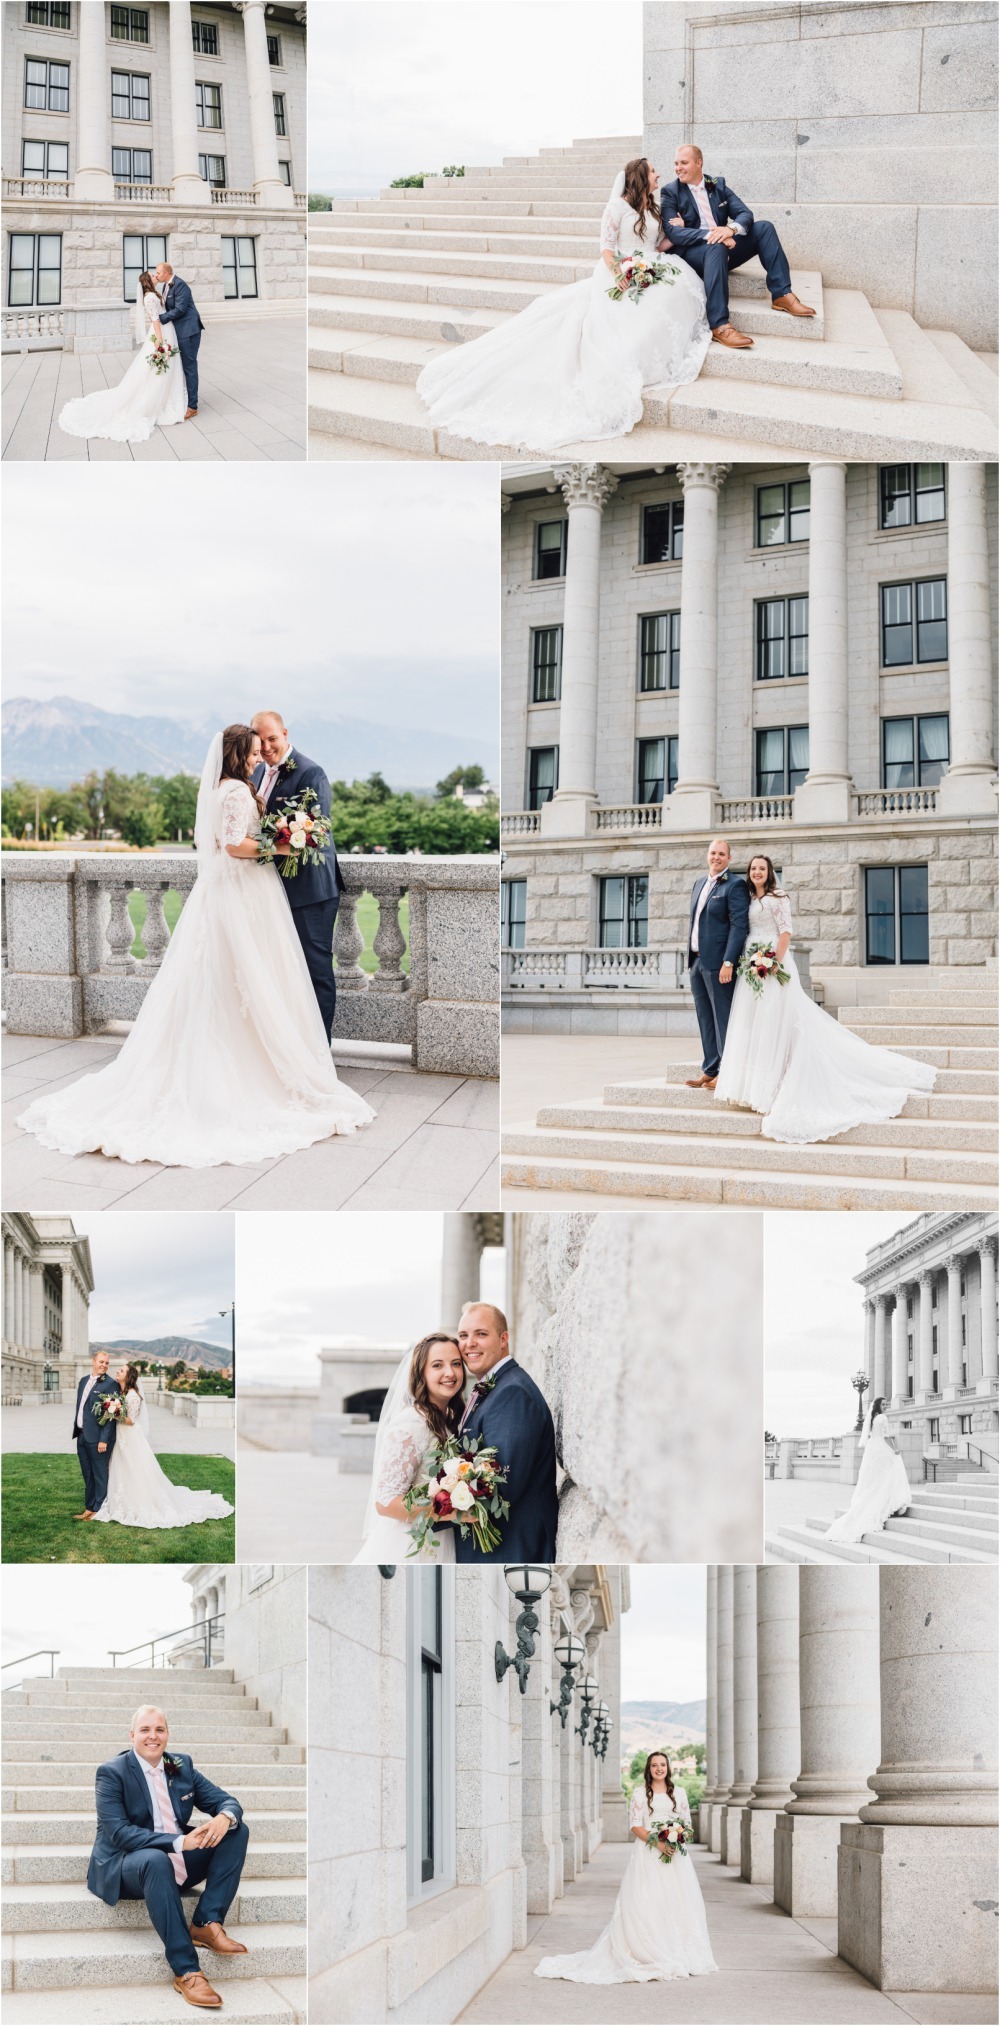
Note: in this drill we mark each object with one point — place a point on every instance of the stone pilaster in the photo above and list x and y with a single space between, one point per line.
711 1704
825 794
744 1709
778 1734
953 1349
969 786
925 1354
900 1364
692 804
540 1801
880 1381
586 489
189 186
92 180
988 1308
869 1341
724 1703
839 1715
267 182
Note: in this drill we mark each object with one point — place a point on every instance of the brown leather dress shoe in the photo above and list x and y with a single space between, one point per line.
696 1082
791 306
188 412
83 1515
214 1936
738 341
710 1082
197 1990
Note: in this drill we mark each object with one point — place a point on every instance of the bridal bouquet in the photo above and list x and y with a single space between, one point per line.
758 963
110 1407
463 1486
303 827
159 358
635 274
671 1840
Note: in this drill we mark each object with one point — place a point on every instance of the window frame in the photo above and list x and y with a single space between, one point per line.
789 513
633 916
275 62
538 575
666 779
202 104
133 77
146 264
542 667
49 8
213 182
900 916
914 585
787 770
513 920
674 508
140 41
913 494
441 1797
916 761
44 174
35 270
279 99
285 171
534 755
48 64
132 177
236 240
198 28
764 640
670 654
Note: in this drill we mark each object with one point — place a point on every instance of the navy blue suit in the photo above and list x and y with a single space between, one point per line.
179 310
314 894
131 1859
87 1434
514 1420
722 932
713 263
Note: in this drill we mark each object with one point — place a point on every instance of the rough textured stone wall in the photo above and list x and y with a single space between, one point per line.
266 1641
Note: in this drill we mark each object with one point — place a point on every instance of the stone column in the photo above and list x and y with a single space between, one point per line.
711 1704
724 1704
539 1804
968 786
925 1381
692 804
18 1301
461 1254
778 1740
839 1712
880 1383
267 183
36 1309
825 794
744 1710
918 1871
870 1341
954 1344
8 1290
988 1309
611 1801
188 186
92 181
586 489
900 1363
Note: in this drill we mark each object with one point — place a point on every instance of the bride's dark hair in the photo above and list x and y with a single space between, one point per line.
638 193
147 284
237 756
442 1421
130 1383
771 882
877 1406
648 1778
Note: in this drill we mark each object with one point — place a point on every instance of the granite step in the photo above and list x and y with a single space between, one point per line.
830 1158
256 2002
346 243
61 1961
848 425
919 1135
206 1681
39 1800
942 1011
80 1772
359 314
962 1082
919 1541
676 1097
967 1513
681 1181
975 375
51 1908
35 1825
581 229
808 1543
67 1863
220 1753
56 1723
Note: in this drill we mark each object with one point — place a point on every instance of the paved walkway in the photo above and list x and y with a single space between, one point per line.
296 1507
431 1146
772 1969
789 1501
252 400
35 1429
547 1069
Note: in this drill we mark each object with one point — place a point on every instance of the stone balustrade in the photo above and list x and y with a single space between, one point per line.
756 809
555 970
144 193
71 968
521 823
727 811
240 197
895 802
37 187
630 816
32 330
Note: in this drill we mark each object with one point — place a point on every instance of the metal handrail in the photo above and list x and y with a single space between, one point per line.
198 1634
39 1650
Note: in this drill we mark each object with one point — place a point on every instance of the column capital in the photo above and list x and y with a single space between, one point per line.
882 1300
869 1304
585 484
987 1245
714 475
927 1276
820 463
954 1261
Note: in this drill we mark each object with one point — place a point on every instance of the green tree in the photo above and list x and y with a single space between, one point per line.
409 182
18 806
466 777
317 202
141 821
178 798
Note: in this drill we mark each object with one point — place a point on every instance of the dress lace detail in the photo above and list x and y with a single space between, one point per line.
658 1929
140 1494
237 810
403 1450
142 401
401 1468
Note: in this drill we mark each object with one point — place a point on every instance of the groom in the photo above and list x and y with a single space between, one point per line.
720 921
714 231
94 1443
179 310
145 1848
509 1414
314 894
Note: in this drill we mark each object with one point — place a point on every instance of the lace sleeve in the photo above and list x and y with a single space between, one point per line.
637 1812
400 1466
782 914
880 1424
611 224
235 814
133 1405
682 1805
152 305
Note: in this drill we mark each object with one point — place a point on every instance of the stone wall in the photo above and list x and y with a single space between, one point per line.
266 1640
809 109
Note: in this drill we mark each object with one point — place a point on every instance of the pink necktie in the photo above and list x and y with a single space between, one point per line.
169 1821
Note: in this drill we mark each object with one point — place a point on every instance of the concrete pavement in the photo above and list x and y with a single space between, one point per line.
296 1508
30 1430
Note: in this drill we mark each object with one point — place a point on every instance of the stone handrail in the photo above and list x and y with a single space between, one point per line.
756 809
143 193
25 324
562 970
631 816
521 823
895 802
241 197
70 970
37 186
301 200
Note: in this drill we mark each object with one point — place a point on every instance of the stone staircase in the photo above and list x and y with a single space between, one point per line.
665 1141
396 278
943 1523
70 1958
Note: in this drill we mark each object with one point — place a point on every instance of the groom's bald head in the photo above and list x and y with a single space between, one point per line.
273 735
149 1732
688 163
482 1336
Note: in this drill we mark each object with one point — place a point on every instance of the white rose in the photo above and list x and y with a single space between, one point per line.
671 1835
298 840
462 1498
449 1476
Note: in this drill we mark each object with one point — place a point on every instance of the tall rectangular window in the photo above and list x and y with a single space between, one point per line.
546 663
46 85
205 36
274 51
430 1729
132 165
782 759
48 160
663 532
624 912
47 13
782 638
208 104
129 24
659 650
130 96
34 273
543 775
550 549
514 906
656 769
914 622
239 268
897 927
280 123
285 172
782 514
910 495
212 170
141 253
431 1660
914 751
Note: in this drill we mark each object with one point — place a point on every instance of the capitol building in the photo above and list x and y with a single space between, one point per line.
48 1279
930 1307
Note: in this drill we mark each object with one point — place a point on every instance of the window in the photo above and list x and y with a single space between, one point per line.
663 532
280 126
624 923
782 513
543 775
48 160
43 14
550 549
934 1426
129 96
782 638
212 169
285 172
904 738
965 1424
274 51
430 1730
205 36
896 917
546 663
239 268
46 85
141 253
782 759
914 622
514 903
34 277
659 650
132 165
910 495
130 24
656 769
208 105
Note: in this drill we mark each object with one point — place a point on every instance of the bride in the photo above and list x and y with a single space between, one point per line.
227 1060
139 1493
784 1057
882 1488
423 1406
129 413
658 1928
572 367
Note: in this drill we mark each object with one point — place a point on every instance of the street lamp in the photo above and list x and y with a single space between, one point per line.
590 1687
569 1652
527 1581
231 1313
860 1382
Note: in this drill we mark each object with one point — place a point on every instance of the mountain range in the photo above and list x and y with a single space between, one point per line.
167 1350
644 1725
54 743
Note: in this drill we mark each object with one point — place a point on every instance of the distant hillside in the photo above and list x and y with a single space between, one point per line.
648 1724
167 1350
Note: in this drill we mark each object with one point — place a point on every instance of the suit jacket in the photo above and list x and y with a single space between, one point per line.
312 883
514 1420
125 1815
179 309
85 1428
725 206
725 921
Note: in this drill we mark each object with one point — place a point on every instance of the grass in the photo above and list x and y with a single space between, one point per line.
367 923
41 1492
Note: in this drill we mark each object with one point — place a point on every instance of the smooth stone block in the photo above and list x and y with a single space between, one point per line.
805 1863
757 1845
954 282
46 1006
917 1906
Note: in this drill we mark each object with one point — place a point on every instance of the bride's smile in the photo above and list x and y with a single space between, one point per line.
444 1374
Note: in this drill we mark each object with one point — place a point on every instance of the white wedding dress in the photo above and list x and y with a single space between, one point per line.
142 400
658 1928
227 1061
399 1462
882 1487
808 1076
572 367
139 1492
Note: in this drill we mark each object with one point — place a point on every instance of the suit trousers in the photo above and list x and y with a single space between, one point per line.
149 1875
713 1004
714 263
314 926
188 348
94 1468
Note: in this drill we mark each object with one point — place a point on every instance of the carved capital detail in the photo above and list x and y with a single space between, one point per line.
714 475
585 484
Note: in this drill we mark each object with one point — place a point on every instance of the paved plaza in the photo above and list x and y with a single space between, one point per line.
544 1069
35 1430
294 1507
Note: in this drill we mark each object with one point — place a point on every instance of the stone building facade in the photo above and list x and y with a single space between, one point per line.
133 135
930 1304
445 1805
48 1279
851 1758
801 657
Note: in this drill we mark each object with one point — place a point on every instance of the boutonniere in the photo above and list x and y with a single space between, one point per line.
484 1386
171 1765
710 182
289 766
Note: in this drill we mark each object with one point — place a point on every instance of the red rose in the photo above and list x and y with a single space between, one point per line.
441 1504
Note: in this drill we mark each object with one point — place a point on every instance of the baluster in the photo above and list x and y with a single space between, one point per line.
155 934
390 943
119 934
348 945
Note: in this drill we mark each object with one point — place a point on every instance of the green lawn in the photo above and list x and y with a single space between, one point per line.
367 923
41 1492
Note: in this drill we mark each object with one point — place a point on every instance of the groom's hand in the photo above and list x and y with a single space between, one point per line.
726 974
721 235
213 1832
101 1447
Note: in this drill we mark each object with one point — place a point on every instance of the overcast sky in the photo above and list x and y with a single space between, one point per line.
166 1275
813 1317
85 1610
397 88
663 1634
368 591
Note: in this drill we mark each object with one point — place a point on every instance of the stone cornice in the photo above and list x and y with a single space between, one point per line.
951 1230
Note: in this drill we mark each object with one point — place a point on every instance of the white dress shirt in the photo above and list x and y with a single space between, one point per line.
700 909
271 775
494 1369
148 1770
700 195
88 1389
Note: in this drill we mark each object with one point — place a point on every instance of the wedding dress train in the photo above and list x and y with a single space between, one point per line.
143 398
140 1494
808 1076
658 1928
882 1487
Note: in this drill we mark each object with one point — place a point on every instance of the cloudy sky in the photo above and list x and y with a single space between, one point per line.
396 88
813 1319
663 1634
85 1610
159 1276
365 593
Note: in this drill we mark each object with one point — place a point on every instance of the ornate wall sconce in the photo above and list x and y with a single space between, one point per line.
590 1686
528 1581
569 1652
